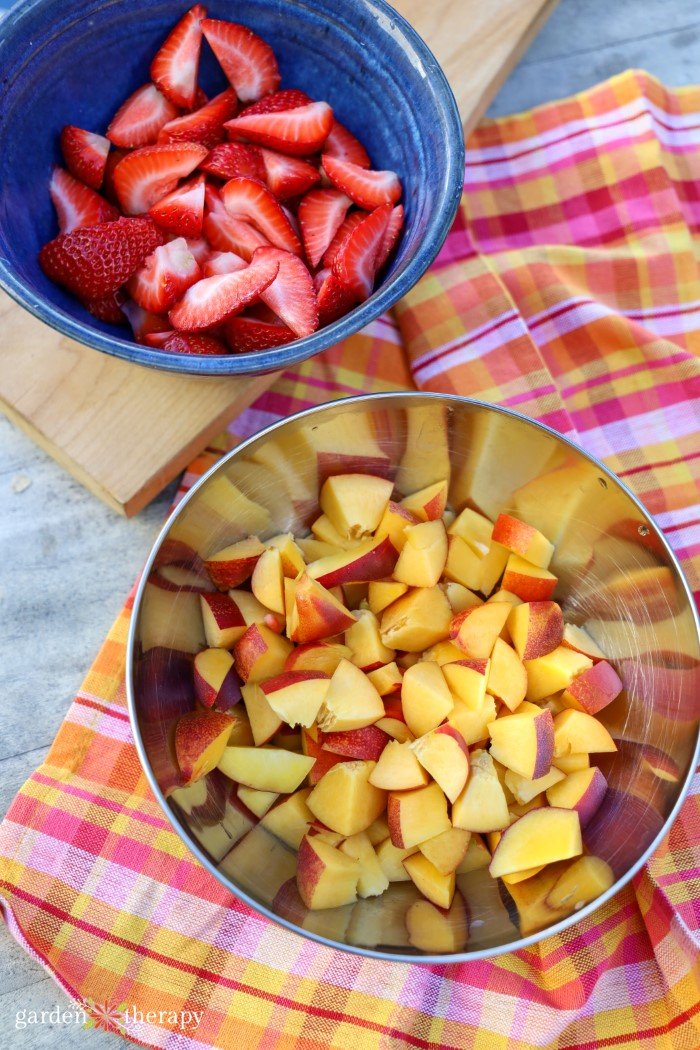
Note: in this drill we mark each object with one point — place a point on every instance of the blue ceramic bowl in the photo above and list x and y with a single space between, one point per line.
74 61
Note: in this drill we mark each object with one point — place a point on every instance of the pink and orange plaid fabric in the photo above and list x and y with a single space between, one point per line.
569 289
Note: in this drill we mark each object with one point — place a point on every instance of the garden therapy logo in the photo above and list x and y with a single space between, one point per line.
111 1017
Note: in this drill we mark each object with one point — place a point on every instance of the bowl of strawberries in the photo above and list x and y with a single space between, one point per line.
416 677
222 191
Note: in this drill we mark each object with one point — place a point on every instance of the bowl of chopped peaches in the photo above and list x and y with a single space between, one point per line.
220 191
415 677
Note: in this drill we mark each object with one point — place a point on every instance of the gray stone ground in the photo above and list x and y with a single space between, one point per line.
68 561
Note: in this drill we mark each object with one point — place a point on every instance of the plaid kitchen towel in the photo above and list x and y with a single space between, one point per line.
569 289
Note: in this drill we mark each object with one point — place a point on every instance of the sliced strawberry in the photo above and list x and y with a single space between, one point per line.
147 328
76 204
85 154
334 299
368 189
164 277
205 125
344 231
138 121
175 67
234 158
226 233
113 158
200 248
290 98
297 131
147 175
108 309
248 62
288 176
355 265
394 227
223 262
291 295
321 213
249 199
342 143
214 299
182 211
247 334
95 260
194 343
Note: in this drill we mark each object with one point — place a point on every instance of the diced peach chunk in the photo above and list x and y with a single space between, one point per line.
200 740
445 756
365 642
383 592
576 731
507 677
428 504
317 656
417 620
482 805
417 815
536 628
260 653
345 800
523 539
235 563
529 582
289 819
369 560
475 630
296 696
355 503
351 701
593 689
447 850
524 742
541 837
326 878
433 884
423 555
372 880
551 673
581 883
425 697
395 520
583 791
264 721
223 620
316 613
267 583
398 769
463 566
265 768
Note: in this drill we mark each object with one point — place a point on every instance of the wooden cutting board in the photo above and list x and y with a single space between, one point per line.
125 431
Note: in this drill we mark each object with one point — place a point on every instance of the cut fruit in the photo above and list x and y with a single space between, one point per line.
475 630
234 564
372 880
556 671
593 689
482 806
435 931
266 582
365 643
260 653
316 613
351 702
265 768
394 522
146 175
367 189
428 504
467 680
289 819
355 503
433 884
317 656
248 62
299 132
576 731
414 816
447 850
391 859
200 741
524 742
369 560
417 620
345 800
366 743
223 621
581 883
425 697
523 540
326 878
383 592
445 756
423 555
258 802
296 696
536 629
398 769
507 677
463 566
582 791
529 582
541 837
264 721
525 790
215 679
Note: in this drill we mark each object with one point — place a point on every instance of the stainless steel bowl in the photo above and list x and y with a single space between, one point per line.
618 578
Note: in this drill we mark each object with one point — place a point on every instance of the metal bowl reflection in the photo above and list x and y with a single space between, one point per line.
618 578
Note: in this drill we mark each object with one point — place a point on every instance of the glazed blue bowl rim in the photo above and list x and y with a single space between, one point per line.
277 358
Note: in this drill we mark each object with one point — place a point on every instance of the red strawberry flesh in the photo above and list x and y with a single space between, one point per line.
205 125
248 334
250 200
355 265
182 211
85 154
138 121
147 175
343 144
298 131
321 213
214 299
175 66
76 204
291 295
367 189
164 276
248 62
234 158
194 343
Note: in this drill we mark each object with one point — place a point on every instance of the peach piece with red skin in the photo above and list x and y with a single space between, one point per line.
417 815
234 564
317 656
579 640
316 613
536 628
507 677
200 740
260 653
529 582
312 745
264 722
294 698
326 878
395 520
593 689
475 630
445 756
583 791
370 560
428 504
524 742
215 679
522 539
223 620
365 743
267 580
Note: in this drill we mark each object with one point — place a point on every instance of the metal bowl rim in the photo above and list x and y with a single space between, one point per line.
261 909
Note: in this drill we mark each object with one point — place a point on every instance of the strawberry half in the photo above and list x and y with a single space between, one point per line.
95 260
164 277
175 67
247 334
248 62
76 204
205 125
182 211
334 299
289 98
297 131
226 233
223 262
355 265
147 175
368 189
250 200
85 154
194 343
214 299
342 143
291 295
344 231
200 248
107 309
234 158
391 236
138 121
288 176
321 213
